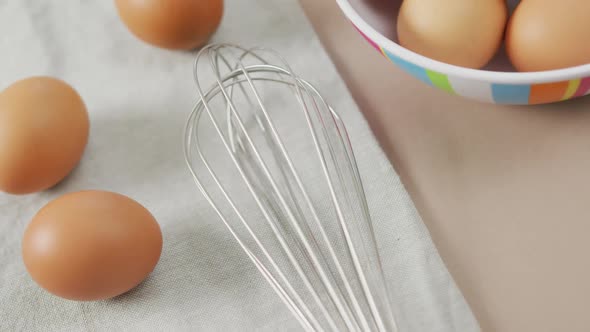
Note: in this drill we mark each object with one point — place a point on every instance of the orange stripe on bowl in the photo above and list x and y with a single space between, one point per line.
548 92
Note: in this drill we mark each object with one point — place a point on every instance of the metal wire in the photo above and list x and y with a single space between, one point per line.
319 255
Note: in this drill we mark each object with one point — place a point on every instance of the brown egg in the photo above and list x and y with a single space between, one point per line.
43 132
549 34
91 245
465 33
172 24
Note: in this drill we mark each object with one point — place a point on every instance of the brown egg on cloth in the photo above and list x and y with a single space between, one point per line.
43 132
464 33
549 34
171 24
91 245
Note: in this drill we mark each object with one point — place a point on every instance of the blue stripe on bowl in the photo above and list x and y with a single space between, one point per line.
511 94
411 68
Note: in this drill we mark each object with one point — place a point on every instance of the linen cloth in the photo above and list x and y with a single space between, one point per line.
138 98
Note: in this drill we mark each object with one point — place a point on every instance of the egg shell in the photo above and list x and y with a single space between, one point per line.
91 245
549 34
171 24
465 33
43 132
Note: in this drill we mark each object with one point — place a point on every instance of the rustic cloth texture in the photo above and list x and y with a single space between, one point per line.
138 98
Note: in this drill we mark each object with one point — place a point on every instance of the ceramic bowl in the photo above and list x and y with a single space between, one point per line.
497 83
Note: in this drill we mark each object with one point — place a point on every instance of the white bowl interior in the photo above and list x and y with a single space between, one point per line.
381 15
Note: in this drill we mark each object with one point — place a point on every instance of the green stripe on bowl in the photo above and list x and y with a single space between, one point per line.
440 80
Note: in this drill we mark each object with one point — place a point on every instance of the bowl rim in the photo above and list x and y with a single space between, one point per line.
514 78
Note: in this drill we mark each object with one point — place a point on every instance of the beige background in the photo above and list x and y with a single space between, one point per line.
504 190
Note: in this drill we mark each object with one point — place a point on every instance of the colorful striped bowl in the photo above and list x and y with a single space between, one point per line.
497 83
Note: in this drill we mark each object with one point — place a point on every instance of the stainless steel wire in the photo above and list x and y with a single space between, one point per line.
303 221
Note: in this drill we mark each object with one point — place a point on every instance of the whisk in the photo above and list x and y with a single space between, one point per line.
275 162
